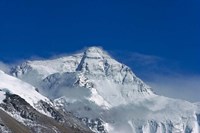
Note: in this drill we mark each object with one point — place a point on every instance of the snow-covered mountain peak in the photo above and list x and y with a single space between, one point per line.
93 85
107 82
96 53
67 63
93 60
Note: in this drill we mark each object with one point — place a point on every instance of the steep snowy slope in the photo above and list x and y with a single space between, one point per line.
9 84
107 96
23 109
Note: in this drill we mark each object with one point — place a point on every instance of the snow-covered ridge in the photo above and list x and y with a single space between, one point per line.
12 85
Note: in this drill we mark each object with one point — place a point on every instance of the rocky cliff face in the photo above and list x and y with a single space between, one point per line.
35 122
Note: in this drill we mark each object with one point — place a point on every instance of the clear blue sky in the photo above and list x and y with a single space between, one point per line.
168 29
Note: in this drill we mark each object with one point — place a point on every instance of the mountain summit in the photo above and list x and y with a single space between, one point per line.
96 52
106 95
93 63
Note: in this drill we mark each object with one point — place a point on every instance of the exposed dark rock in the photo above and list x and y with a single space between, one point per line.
14 102
94 124
61 122
54 113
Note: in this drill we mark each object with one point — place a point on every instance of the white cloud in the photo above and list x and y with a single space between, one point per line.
179 86
4 67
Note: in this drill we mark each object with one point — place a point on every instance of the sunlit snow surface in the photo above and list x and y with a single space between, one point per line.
12 85
94 85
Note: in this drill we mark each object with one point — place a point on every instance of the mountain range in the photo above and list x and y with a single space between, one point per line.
88 92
